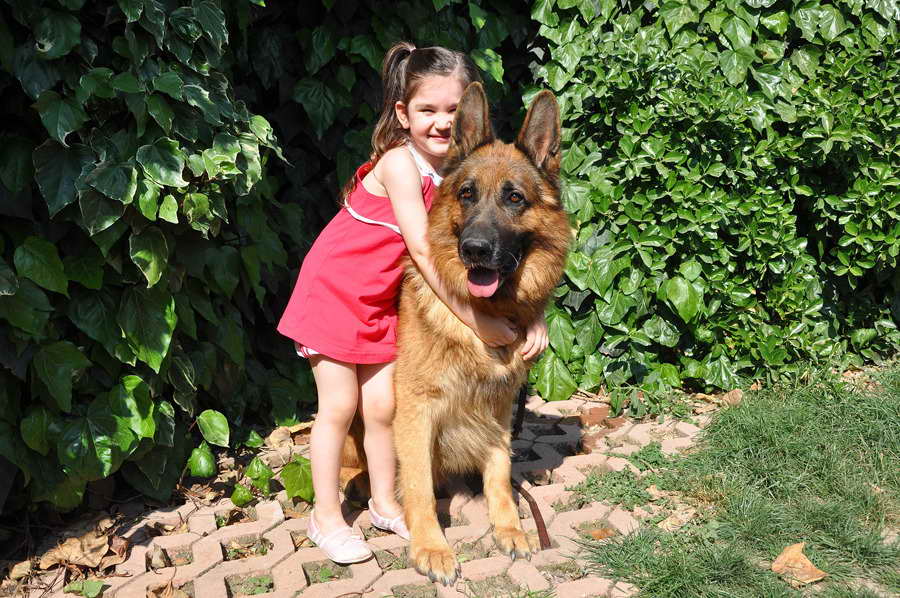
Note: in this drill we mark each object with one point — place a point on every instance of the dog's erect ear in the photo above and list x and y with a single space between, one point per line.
540 134
471 125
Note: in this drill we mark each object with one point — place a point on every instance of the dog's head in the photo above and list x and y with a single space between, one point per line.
502 200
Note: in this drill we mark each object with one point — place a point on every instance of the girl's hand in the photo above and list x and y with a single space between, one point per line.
495 332
536 339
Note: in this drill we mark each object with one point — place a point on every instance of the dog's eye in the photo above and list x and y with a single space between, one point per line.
466 193
516 197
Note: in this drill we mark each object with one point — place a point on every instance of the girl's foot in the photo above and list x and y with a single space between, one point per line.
341 545
394 524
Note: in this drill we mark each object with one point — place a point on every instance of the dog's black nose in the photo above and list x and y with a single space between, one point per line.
476 251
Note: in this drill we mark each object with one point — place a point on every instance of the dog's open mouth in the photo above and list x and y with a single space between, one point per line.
483 282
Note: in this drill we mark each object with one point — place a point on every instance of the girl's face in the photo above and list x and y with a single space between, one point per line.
429 115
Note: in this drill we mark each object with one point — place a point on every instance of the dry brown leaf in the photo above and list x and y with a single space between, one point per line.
704 408
118 552
20 570
705 397
300 427
757 385
793 565
733 397
280 438
158 558
166 591
602 533
677 519
87 550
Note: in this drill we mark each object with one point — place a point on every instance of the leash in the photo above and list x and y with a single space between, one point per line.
543 536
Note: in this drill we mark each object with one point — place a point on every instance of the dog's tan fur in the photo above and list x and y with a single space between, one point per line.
454 393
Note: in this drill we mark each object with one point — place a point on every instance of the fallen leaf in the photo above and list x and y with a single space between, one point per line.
20 570
733 397
705 397
118 552
158 558
158 528
704 408
280 438
677 519
166 591
757 385
87 550
300 427
793 565
602 533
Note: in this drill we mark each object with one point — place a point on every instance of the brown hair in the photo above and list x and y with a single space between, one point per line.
403 69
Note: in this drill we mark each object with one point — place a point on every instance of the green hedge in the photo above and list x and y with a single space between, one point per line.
731 170
150 232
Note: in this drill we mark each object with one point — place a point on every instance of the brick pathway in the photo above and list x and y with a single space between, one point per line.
546 462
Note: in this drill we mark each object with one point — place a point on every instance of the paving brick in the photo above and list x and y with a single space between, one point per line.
593 415
623 590
687 429
640 434
526 574
587 587
671 446
364 575
384 585
622 522
564 528
618 464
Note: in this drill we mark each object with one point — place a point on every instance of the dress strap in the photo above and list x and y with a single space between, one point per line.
425 169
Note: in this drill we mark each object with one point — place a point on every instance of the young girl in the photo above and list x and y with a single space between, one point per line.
342 314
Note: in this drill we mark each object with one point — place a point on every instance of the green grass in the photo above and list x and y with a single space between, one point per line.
619 487
815 462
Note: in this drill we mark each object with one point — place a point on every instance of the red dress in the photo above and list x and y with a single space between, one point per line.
344 304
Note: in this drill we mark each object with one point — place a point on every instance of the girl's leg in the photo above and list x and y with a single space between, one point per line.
338 391
376 388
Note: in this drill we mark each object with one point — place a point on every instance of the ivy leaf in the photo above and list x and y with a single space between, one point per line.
132 9
661 331
259 473
776 22
214 427
28 310
85 269
168 209
60 115
115 181
202 462
88 588
55 364
35 429
490 62
241 495
319 102
296 477
38 260
131 401
163 162
34 74
149 252
9 282
147 318
477 15
55 34
56 169
147 198
199 98
554 381
16 169
367 47
126 82
683 297
561 333
676 15
734 64
738 32
98 212
321 49
542 12
212 21
169 83
95 315
95 445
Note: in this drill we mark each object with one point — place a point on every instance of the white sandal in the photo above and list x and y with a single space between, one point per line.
342 545
396 525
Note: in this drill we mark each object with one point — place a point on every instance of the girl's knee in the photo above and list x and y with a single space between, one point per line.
379 408
337 410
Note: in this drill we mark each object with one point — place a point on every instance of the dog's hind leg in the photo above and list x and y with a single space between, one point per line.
429 551
354 475
502 510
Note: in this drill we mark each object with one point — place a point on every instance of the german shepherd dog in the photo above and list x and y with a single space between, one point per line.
498 237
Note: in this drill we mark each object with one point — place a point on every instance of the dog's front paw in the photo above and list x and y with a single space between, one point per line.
436 561
513 542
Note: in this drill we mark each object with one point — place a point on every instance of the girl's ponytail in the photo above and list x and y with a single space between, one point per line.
393 81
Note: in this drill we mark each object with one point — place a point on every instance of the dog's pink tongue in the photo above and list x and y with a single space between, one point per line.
483 282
